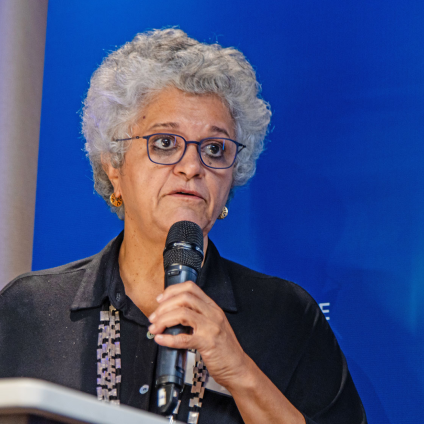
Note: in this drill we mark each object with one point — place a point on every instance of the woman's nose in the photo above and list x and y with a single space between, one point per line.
190 165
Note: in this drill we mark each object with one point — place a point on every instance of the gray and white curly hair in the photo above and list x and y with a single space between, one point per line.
129 77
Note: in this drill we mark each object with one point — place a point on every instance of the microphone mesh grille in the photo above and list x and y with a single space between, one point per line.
182 257
189 232
186 231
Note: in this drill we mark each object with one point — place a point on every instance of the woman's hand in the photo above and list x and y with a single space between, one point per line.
257 399
212 334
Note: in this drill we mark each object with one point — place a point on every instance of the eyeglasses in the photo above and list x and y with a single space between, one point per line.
169 149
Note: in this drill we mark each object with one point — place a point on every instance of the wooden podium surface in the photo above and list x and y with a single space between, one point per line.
30 401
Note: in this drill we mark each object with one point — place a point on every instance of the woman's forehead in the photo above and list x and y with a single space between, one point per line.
172 109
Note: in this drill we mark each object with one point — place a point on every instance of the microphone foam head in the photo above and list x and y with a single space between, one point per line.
189 233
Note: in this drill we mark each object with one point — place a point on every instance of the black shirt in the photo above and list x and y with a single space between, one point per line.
49 321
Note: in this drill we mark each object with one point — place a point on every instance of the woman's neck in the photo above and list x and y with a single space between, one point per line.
141 268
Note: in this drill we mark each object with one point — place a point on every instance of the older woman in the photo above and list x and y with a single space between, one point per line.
173 126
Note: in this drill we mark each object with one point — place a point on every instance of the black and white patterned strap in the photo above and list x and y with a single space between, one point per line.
200 375
109 356
109 367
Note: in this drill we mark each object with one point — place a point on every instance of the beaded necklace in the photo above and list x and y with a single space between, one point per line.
109 356
109 367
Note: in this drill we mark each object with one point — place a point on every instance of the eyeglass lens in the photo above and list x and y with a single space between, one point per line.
167 149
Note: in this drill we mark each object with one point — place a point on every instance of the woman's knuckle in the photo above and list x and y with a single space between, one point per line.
183 339
185 314
190 285
185 311
186 297
221 319
218 332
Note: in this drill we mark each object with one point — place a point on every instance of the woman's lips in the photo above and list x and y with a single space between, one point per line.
186 194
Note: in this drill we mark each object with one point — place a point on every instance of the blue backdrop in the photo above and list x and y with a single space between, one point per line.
337 204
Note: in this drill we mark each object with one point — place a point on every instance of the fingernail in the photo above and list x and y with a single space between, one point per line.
152 317
158 337
159 297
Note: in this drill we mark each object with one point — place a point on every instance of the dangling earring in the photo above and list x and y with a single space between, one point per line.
115 201
223 213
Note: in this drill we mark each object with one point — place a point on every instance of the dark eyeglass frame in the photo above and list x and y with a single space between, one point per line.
240 147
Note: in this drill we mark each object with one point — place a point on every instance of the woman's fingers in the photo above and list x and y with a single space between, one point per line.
182 300
212 335
188 286
204 335
181 341
183 316
188 296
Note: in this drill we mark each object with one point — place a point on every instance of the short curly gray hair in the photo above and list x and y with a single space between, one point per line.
153 60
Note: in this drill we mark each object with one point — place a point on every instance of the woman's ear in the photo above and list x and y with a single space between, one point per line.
113 175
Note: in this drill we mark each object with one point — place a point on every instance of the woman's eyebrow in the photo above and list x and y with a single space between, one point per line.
172 125
175 125
216 129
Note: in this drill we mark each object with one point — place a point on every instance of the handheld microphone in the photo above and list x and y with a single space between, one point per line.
182 260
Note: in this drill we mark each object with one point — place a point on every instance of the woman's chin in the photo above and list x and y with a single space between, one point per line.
188 215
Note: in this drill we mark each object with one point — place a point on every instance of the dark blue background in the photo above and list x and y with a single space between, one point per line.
337 204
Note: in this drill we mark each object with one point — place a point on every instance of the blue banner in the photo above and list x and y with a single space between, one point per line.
337 204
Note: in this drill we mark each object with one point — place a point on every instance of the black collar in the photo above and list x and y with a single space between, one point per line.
101 280
215 281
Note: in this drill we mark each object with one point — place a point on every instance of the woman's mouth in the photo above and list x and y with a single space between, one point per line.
187 194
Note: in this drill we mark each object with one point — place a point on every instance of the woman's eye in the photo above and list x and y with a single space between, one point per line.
163 142
214 149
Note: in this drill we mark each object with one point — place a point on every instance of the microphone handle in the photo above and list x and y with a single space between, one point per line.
170 367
